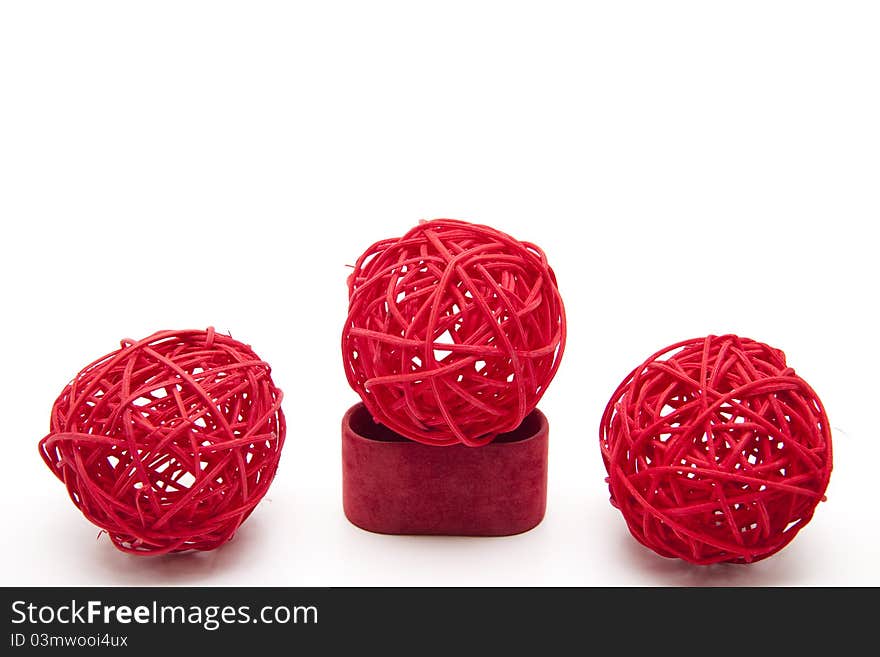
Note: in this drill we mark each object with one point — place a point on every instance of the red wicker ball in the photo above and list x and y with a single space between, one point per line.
170 442
454 332
716 451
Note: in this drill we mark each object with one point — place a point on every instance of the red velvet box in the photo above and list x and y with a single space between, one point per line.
393 485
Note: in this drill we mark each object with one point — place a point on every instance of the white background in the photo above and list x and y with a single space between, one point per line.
689 167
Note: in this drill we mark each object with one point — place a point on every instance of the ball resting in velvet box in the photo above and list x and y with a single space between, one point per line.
392 485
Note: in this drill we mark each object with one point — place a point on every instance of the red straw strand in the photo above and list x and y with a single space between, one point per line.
454 332
716 451
170 442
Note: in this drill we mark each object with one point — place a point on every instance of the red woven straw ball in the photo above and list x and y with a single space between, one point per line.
170 442
716 451
454 332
